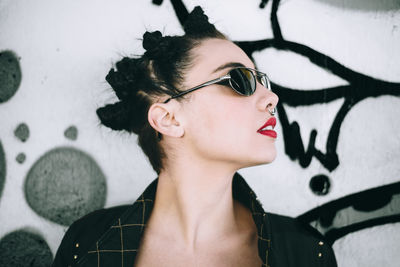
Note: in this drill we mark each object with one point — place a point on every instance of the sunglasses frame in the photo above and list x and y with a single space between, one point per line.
223 79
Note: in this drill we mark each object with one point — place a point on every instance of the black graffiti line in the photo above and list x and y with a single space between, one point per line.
296 97
371 199
180 9
335 234
353 199
361 87
291 131
315 57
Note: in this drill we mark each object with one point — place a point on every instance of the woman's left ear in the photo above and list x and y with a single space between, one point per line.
162 117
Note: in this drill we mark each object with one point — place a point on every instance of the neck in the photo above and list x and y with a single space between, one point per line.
195 203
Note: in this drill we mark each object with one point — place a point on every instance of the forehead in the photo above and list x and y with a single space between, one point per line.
214 53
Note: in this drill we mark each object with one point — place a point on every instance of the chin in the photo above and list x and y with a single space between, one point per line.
265 159
268 158
263 162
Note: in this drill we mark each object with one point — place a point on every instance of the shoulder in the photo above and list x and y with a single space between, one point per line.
299 242
84 232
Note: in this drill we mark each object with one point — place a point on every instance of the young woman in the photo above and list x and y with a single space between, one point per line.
201 111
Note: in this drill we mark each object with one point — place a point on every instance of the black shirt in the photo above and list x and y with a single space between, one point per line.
111 237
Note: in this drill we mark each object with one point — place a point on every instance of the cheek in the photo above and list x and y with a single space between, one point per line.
221 125
227 132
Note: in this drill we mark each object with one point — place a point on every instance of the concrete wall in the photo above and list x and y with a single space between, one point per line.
334 64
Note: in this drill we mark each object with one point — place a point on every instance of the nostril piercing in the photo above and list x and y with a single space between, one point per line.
272 112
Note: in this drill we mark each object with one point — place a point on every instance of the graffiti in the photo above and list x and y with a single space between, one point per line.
355 212
22 132
24 247
359 88
10 75
71 133
2 168
366 209
59 196
74 184
20 158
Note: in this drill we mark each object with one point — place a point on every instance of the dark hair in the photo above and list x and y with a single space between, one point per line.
158 72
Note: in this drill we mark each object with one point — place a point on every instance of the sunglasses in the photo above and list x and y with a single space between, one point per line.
242 80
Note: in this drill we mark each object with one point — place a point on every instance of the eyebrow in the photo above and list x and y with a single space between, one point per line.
229 65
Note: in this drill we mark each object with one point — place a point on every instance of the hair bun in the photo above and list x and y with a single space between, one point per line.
197 23
125 78
114 116
152 43
118 83
129 116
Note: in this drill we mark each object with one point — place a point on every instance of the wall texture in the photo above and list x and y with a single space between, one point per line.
334 64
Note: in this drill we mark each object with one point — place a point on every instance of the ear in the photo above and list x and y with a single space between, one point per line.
161 117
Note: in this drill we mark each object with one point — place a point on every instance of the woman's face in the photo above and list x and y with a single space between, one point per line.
221 125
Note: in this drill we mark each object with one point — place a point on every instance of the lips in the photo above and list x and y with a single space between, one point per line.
267 128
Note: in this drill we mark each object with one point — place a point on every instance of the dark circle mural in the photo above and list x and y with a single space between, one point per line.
65 184
320 184
10 75
71 133
20 158
22 248
22 132
2 168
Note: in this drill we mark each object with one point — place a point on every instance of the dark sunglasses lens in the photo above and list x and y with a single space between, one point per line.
243 81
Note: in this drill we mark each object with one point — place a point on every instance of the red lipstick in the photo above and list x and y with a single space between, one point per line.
266 128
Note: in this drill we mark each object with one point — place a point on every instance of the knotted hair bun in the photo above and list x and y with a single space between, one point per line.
197 24
127 81
151 40
113 116
125 115
129 73
155 44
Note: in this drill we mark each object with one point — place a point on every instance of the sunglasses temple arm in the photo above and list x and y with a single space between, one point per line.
218 80
258 73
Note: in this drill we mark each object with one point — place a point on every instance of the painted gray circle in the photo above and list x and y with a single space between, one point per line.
65 184
2 168
10 75
22 248
71 133
21 157
22 132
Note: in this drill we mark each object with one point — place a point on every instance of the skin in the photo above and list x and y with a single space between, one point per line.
207 138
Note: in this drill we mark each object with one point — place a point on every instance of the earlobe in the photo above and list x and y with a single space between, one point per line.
162 118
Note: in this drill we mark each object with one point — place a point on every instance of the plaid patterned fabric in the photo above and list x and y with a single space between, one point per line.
119 245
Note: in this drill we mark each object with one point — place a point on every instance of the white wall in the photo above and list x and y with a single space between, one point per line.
66 48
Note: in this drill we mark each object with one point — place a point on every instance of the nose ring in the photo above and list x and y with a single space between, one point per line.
272 112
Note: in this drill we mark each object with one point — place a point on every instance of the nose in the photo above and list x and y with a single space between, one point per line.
267 100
